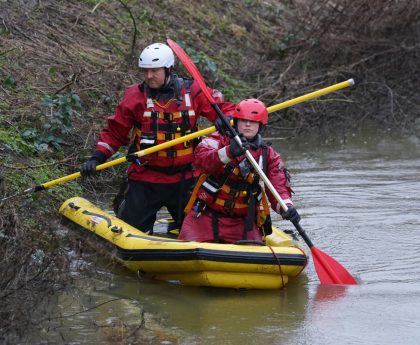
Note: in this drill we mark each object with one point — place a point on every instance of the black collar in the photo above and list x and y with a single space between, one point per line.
162 94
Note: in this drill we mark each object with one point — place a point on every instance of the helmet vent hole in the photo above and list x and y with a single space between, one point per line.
155 60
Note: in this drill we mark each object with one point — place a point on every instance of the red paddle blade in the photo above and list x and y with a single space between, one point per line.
191 68
330 271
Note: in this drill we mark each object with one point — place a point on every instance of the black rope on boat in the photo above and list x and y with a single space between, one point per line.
279 264
303 266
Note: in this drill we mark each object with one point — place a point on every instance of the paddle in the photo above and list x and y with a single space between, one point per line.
329 270
191 136
130 157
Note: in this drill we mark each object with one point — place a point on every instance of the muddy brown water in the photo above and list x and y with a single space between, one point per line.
359 202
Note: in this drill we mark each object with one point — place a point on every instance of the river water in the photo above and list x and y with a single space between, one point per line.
360 203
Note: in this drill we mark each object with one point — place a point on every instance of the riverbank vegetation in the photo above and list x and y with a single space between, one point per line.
64 65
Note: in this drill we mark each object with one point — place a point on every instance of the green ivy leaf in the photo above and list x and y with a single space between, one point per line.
52 71
9 82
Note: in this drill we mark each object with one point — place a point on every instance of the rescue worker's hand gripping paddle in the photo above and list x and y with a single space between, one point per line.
329 270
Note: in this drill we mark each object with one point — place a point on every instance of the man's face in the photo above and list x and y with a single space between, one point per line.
248 128
154 77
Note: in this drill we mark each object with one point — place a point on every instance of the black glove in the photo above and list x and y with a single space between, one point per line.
291 214
220 126
89 168
235 149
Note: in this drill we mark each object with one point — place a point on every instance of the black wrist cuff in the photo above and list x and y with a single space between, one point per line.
98 156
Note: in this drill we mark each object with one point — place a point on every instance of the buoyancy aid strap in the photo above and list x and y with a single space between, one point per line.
229 204
264 199
135 136
233 186
154 126
171 153
233 191
193 197
263 216
170 116
249 178
168 136
215 227
185 125
254 191
264 210
250 217
229 168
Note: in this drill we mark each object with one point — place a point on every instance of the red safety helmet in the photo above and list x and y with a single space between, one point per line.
251 109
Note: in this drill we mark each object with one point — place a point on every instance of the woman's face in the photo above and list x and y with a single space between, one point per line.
248 128
154 77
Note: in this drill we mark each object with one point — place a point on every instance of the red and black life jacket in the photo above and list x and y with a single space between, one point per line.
238 192
164 121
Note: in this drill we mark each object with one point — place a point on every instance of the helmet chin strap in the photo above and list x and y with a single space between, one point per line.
168 73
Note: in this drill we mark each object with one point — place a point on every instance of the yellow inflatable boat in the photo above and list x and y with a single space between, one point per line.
268 265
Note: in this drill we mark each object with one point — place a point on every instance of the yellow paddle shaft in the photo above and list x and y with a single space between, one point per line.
141 153
311 95
201 133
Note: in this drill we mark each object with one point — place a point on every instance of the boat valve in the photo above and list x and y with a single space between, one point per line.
116 230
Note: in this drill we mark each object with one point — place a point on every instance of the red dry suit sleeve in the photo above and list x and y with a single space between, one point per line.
117 132
277 176
207 157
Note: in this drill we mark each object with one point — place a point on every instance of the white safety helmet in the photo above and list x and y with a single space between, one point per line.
156 55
